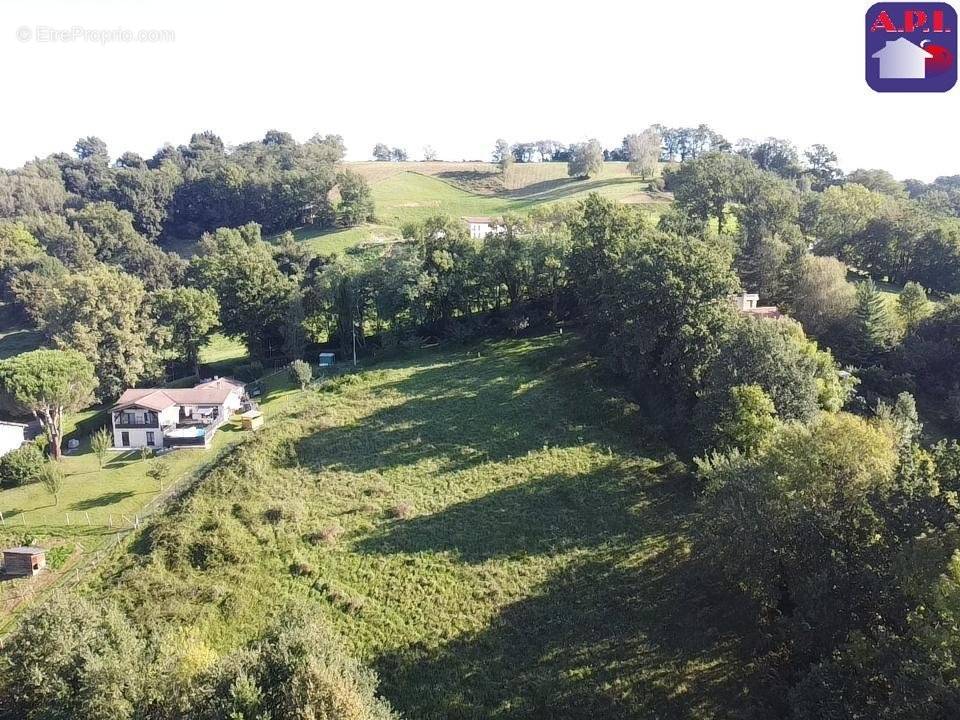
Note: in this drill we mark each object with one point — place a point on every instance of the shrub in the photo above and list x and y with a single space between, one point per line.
92 664
21 466
58 556
298 670
301 373
100 443
301 569
51 475
401 511
159 472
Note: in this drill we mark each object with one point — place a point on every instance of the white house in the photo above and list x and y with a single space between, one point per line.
174 417
900 59
12 436
747 304
480 227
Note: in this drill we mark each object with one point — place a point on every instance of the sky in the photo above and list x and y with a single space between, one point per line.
456 76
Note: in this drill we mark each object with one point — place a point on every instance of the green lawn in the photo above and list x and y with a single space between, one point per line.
223 352
16 338
410 196
327 242
486 527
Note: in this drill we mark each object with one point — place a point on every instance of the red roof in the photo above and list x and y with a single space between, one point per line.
213 392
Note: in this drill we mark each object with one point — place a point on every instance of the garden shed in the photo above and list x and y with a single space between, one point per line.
252 420
24 561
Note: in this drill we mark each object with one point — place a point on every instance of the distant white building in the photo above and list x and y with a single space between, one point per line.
12 436
747 304
480 227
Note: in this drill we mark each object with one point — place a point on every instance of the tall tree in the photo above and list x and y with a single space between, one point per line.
49 384
586 159
643 151
913 305
875 330
191 316
239 268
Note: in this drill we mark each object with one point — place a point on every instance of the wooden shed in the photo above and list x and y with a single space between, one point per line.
252 420
23 561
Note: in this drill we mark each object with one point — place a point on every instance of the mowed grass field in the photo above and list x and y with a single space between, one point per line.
486 527
412 191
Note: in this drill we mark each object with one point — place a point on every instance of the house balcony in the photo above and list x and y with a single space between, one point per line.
134 425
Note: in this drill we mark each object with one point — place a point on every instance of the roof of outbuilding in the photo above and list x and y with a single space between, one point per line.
24 550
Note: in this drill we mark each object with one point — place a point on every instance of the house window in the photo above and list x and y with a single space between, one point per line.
149 438
125 439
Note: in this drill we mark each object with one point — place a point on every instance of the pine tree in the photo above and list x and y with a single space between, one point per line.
913 305
876 327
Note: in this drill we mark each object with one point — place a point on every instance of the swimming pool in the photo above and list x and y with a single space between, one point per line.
191 431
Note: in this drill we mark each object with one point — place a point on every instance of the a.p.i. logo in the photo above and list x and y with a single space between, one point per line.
911 47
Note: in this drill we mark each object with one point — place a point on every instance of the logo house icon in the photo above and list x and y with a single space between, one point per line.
911 47
900 59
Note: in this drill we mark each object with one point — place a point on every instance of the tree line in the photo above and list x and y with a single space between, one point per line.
183 191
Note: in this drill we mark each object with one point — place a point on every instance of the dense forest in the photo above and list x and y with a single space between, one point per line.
824 505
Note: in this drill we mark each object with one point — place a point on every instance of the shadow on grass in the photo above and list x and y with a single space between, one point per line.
101 500
632 628
468 410
560 188
18 342
123 459
548 516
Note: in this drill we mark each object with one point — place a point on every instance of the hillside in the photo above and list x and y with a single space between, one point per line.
483 528
412 191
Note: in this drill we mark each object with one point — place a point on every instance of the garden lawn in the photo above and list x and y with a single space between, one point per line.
487 528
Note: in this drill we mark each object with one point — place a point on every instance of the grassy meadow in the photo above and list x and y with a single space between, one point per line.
485 526
412 191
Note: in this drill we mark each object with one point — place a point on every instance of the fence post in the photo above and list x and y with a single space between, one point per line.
88 517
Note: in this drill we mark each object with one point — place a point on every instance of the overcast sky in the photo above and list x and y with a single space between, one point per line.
458 75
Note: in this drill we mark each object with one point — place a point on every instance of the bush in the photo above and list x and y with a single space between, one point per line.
298 670
401 511
92 664
21 466
657 184
301 373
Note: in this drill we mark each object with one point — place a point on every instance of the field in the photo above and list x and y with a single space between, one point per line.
412 191
486 527
15 338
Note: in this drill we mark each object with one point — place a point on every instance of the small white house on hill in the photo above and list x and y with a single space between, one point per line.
174 417
747 304
480 227
12 436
